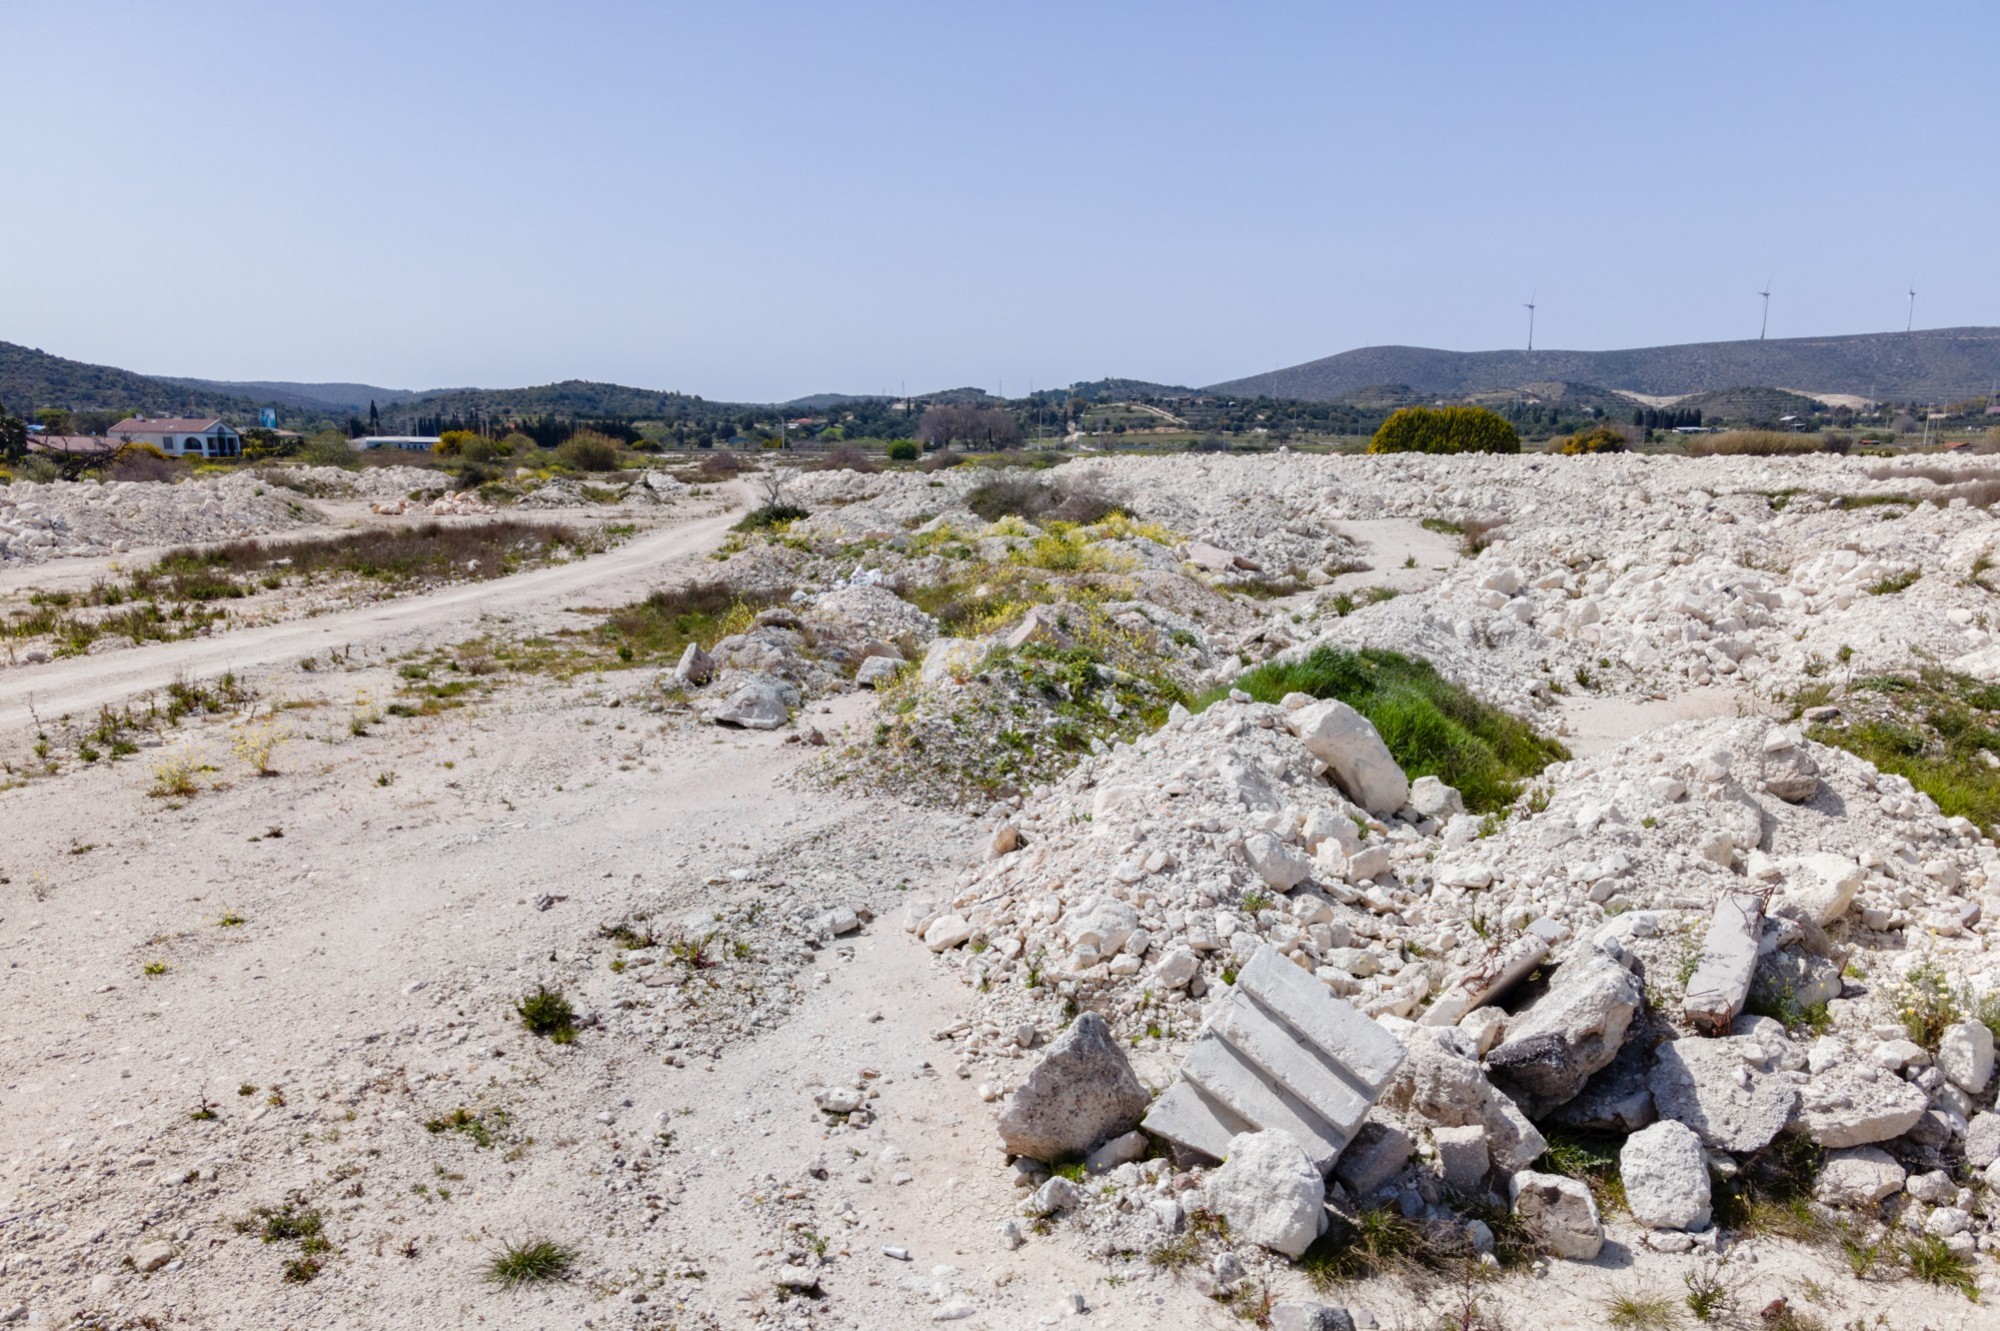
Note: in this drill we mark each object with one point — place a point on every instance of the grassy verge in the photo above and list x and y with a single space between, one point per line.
1934 729
1431 725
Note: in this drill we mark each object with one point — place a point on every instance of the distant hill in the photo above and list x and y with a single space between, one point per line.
30 378
1932 365
304 397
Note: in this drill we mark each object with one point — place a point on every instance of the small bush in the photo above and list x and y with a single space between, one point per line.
1037 501
587 450
547 1013
720 466
1602 439
1445 430
903 450
845 457
770 516
531 1262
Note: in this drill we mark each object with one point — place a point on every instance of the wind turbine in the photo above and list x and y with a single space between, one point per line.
1911 322
1763 327
1530 307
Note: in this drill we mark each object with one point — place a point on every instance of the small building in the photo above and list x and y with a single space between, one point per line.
180 436
409 443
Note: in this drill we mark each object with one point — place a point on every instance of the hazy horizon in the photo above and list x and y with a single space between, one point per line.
777 200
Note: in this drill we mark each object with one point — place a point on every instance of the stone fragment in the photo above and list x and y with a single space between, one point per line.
1279 865
1081 1093
760 702
1665 1172
1116 1152
1293 1316
1443 1082
1819 888
1798 980
1933 1187
1462 1157
948 660
1846 1106
1858 1176
150 1256
1176 968
1982 1140
1560 1211
1104 923
1281 1052
1732 1103
1355 756
1373 1157
1965 1056
876 671
1055 1195
1270 1192
696 666
1721 979
1616 1099
1432 798
947 932
1572 1031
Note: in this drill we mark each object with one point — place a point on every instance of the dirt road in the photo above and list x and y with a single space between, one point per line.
79 685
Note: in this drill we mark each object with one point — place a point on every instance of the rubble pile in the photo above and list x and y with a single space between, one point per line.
83 518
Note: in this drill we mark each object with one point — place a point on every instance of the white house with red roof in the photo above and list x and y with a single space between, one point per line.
178 436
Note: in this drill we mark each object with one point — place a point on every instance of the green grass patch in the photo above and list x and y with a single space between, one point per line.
1929 728
1431 725
547 1013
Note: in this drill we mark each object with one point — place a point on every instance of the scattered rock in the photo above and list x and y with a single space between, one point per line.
1846 1106
1560 1212
1965 1056
1270 1192
1081 1093
1715 1087
1572 1031
1357 759
1665 1172
1857 1176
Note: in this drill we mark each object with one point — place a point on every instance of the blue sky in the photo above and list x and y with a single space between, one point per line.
758 200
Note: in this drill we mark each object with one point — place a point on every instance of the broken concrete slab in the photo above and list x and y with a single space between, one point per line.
760 702
1721 979
1616 1099
1572 1031
1444 1083
1857 1176
1819 888
1855 1105
1462 1157
1724 1090
1280 1052
1505 966
1080 1094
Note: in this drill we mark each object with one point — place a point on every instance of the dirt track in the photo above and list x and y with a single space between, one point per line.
79 685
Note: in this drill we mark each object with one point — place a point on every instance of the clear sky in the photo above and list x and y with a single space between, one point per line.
759 200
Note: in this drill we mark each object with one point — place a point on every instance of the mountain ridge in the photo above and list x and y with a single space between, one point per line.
1932 364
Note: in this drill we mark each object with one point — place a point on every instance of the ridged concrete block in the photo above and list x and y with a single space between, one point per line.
1281 1053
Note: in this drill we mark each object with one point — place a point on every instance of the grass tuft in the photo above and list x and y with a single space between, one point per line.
547 1013
1641 1310
531 1262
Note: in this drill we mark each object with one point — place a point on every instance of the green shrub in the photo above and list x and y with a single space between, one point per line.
903 450
1601 439
770 516
1431 725
587 450
1445 430
546 1012
531 1262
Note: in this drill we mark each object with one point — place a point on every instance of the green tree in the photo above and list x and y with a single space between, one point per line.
1445 430
54 420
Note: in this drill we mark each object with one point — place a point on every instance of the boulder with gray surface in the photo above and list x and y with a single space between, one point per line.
1560 1212
1965 1056
1856 1104
1295 1316
1857 1176
1279 1053
758 702
1728 962
1443 1082
1080 1094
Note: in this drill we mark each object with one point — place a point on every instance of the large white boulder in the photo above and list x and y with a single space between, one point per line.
1819 888
1359 762
1665 1171
1279 865
1269 1192
1852 1105
1080 1094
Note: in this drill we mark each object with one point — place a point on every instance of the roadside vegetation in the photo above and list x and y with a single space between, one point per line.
1939 731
